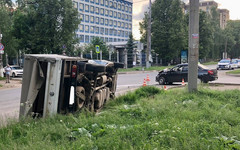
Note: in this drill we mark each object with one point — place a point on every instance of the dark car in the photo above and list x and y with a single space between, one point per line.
179 72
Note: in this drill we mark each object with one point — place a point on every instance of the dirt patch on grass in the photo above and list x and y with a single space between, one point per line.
12 84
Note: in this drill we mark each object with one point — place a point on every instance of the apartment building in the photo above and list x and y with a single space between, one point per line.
111 20
207 5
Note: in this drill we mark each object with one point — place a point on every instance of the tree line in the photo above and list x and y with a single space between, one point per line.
39 27
170 27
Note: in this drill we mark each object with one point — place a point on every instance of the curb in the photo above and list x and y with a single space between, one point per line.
136 72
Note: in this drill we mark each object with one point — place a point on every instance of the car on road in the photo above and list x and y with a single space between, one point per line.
237 62
179 72
15 71
225 64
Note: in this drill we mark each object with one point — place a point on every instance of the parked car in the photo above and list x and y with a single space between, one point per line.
225 64
179 72
15 71
237 62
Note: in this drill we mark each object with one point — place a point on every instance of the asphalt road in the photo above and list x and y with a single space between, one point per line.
10 98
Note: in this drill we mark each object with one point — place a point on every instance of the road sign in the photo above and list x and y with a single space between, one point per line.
1 46
97 49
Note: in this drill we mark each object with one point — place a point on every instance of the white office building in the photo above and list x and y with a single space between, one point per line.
111 20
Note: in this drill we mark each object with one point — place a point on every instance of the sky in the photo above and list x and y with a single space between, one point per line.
141 6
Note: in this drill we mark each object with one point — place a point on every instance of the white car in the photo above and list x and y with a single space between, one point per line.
15 71
237 62
225 64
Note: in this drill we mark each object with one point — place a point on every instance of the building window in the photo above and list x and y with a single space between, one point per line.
97 30
111 4
81 28
86 0
110 22
115 40
96 10
92 9
101 30
126 34
130 26
86 18
92 29
126 25
97 20
119 33
119 15
110 13
106 31
119 24
126 8
115 32
115 14
123 25
75 5
130 9
102 11
91 1
130 18
110 39
102 21
81 38
115 23
81 6
122 7
97 1
126 17
115 5
86 38
92 19
86 29
106 12
122 33
110 31
123 16
81 16
106 3
102 2
106 22
106 39
119 6
87 8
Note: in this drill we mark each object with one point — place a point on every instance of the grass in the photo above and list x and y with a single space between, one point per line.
158 68
234 72
210 63
2 78
148 118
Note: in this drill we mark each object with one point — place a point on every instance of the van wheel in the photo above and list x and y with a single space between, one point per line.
161 81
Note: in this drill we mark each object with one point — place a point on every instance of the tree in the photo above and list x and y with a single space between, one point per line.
130 46
167 29
92 47
46 26
143 28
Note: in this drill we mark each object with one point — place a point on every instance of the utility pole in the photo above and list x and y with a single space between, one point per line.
148 52
1 59
193 51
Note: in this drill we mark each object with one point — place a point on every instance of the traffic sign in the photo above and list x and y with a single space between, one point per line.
1 46
97 49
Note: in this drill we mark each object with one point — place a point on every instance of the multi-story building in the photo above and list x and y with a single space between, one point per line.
111 20
207 5
224 17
